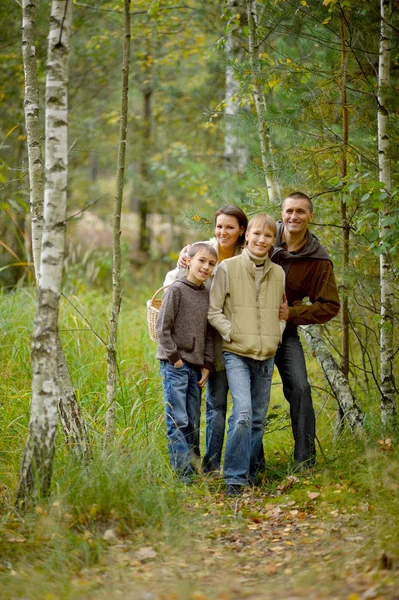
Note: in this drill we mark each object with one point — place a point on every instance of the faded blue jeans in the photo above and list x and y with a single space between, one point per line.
216 408
182 414
249 382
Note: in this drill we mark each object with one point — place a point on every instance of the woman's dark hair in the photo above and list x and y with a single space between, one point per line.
233 211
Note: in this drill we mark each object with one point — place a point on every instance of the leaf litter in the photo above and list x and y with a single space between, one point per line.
259 547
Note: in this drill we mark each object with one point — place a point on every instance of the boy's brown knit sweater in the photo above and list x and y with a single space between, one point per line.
182 326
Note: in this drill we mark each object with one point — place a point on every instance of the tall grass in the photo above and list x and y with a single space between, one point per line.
133 489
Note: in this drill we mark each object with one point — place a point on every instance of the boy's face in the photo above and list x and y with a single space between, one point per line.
260 239
200 266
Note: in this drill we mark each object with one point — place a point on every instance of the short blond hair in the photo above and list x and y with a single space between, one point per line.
261 220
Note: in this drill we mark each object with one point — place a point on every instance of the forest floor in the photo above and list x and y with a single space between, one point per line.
260 546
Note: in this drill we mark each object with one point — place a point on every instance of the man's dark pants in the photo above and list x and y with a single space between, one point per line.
290 361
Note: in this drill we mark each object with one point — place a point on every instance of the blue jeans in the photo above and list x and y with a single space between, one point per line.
216 408
291 364
182 414
249 382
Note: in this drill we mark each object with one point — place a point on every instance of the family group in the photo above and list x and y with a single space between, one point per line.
231 312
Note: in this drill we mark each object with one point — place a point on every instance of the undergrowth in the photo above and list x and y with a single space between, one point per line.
131 492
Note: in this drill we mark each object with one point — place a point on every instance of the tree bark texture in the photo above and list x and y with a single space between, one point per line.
37 461
32 123
116 267
260 102
344 217
387 379
72 422
338 383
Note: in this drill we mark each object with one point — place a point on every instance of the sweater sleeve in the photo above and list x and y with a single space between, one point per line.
165 323
219 291
323 296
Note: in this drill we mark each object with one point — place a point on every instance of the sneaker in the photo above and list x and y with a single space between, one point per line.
233 489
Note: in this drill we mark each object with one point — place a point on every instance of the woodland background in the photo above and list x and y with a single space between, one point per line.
220 110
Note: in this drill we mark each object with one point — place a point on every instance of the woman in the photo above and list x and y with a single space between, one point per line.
230 227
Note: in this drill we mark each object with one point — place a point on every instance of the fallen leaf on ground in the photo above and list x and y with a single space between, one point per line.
313 495
145 553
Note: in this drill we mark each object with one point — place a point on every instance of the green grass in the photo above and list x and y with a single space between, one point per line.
132 491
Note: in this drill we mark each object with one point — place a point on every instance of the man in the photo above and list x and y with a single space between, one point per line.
309 274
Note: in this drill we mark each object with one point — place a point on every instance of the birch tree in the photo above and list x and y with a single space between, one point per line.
73 425
37 461
116 267
235 152
336 379
32 124
260 101
387 379
343 210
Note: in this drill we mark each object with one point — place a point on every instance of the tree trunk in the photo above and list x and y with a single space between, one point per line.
116 268
344 220
144 243
73 425
338 383
37 461
235 152
260 102
71 419
32 123
387 379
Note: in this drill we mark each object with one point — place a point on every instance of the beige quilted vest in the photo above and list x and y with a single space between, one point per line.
254 315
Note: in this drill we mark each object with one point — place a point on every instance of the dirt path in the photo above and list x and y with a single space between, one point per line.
254 548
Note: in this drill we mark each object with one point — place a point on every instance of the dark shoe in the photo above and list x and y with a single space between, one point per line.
233 489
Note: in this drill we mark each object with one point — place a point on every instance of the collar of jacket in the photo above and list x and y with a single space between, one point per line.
191 284
250 265
311 249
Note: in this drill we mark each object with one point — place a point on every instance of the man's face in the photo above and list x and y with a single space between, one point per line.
296 215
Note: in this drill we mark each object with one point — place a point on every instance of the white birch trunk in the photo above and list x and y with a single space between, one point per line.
73 425
37 461
337 381
116 267
32 122
235 153
387 380
260 103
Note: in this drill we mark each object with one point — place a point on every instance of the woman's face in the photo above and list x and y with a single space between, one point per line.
227 231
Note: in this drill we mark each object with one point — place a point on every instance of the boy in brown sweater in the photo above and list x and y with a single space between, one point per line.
185 351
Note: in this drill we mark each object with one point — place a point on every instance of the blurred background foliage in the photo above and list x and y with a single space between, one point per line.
177 170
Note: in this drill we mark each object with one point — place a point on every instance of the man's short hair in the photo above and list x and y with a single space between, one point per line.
299 196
